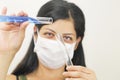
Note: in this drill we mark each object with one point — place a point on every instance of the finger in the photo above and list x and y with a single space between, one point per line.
75 68
72 74
75 79
79 68
75 74
22 13
16 24
13 14
22 32
24 25
25 14
4 11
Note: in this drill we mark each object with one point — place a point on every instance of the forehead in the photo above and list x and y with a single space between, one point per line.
61 26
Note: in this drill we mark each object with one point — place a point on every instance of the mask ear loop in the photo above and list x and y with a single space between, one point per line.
35 39
62 43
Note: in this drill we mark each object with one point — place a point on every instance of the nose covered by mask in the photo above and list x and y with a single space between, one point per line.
50 54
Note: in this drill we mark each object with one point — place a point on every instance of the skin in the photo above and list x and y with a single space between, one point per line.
47 31
11 38
66 28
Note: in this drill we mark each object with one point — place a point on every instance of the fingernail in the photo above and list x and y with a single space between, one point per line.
64 73
66 78
67 67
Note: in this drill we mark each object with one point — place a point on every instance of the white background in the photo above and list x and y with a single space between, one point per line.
102 36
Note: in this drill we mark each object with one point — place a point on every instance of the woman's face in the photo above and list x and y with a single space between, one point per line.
64 27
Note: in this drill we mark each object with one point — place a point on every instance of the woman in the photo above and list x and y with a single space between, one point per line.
45 59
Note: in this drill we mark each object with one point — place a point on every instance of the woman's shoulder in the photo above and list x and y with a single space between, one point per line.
11 77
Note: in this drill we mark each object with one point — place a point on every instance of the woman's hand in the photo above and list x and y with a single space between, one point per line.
11 34
79 73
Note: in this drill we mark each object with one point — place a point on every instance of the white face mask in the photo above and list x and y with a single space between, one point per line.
50 54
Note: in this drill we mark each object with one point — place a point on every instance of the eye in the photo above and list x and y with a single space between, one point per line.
68 39
49 35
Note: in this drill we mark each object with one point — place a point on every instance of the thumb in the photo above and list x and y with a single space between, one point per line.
24 25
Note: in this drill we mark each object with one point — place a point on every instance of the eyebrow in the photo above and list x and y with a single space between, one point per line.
62 33
51 30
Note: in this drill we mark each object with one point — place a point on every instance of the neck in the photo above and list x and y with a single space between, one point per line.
43 73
